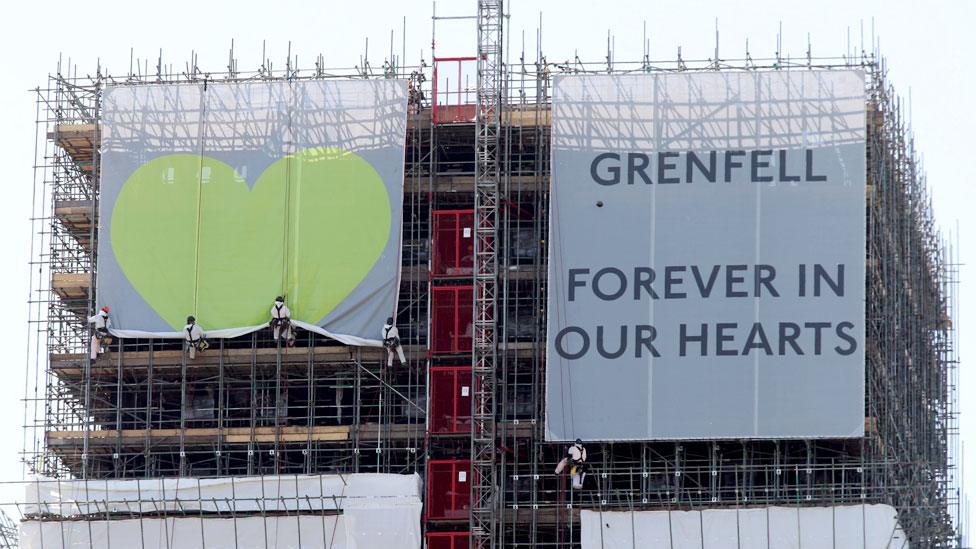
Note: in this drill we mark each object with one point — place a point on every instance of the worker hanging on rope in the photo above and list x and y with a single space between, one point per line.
576 459
100 335
391 341
193 338
281 323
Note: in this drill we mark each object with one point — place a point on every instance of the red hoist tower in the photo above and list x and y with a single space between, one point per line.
490 84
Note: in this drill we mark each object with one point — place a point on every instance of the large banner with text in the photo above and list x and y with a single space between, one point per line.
706 256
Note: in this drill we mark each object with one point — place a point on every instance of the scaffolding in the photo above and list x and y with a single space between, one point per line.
8 532
472 319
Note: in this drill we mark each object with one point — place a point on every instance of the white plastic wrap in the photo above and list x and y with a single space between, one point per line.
357 529
375 511
270 493
872 526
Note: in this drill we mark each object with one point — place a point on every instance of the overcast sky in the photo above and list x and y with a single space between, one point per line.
928 44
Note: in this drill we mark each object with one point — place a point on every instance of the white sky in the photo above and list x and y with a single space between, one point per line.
928 45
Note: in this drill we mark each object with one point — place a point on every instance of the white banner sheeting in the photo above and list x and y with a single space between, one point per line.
872 526
356 529
242 494
374 511
706 256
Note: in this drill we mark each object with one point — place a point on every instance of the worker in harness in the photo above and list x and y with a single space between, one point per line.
193 337
281 322
100 335
576 460
391 341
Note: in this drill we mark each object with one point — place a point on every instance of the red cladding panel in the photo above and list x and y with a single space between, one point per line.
448 489
450 399
448 540
453 243
452 329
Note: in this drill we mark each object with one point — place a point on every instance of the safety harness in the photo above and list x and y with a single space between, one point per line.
102 332
390 342
199 343
277 320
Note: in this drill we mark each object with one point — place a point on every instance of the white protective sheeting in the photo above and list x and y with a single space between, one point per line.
356 529
374 511
272 493
872 526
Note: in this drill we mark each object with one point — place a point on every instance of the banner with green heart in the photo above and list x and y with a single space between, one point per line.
187 233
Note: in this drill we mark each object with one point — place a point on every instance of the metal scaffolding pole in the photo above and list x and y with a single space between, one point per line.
484 484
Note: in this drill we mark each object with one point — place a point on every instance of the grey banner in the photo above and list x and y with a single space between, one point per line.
707 249
217 197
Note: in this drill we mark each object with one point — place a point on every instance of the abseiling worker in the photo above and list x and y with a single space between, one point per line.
100 335
576 459
194 338
391 341
281 322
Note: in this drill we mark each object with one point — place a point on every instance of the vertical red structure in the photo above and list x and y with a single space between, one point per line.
453 101
453 243
448 540
450 400
451 329
448 489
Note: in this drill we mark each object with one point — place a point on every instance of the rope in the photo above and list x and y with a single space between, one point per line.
558 242
196 242
286 218
342 498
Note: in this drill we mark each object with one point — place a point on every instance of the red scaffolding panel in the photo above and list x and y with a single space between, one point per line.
450 399
454 101
451 327
448 540
453 243
448 489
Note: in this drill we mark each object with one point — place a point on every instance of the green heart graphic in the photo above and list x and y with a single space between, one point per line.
193 239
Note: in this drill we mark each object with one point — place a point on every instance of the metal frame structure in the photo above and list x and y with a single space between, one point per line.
246 407
487 177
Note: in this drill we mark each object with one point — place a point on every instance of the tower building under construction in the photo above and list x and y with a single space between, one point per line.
260 441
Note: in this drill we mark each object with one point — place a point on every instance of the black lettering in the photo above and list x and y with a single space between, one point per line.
757 340
684 338
842 329
663 165
692 160
809 168
620 278
764 276
600 348
706 288
802 275
836 284
790 338
731 162
643 277
731 280
614 171
817 327
782 168
573 283
561 349
758 164
644 337
670 281
635 167
721 338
